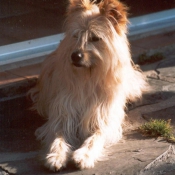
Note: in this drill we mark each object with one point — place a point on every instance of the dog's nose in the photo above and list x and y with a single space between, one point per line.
77 58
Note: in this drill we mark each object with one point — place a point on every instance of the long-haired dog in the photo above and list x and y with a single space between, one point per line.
85 84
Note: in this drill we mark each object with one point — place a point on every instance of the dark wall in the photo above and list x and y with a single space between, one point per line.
142 7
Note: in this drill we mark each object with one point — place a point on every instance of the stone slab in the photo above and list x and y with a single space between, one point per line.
163 164
128 157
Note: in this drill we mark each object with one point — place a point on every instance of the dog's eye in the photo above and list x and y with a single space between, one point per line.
75 36
94 39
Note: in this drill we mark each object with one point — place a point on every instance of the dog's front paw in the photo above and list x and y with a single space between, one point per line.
83 159
55 162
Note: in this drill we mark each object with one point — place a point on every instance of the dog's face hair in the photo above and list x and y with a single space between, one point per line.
95 1
95 30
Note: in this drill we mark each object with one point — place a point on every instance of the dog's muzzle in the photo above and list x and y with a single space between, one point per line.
77 58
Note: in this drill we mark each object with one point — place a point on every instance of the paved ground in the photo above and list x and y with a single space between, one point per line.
134 155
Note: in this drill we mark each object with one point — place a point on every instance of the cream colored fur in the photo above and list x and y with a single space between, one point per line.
84 106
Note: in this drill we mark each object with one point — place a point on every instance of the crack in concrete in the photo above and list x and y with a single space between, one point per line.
163 78
140 160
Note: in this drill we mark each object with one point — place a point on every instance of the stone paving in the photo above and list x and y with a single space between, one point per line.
133 155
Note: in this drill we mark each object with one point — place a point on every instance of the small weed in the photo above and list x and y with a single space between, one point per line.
146 59
158 128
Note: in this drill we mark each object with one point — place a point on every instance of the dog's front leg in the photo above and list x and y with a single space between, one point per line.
57 157
90 151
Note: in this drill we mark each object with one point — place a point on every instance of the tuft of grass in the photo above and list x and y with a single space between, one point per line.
147 59
158 128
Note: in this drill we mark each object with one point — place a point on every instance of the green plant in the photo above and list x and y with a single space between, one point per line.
158 128
146 59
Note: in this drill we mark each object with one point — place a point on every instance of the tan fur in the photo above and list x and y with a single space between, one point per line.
84 106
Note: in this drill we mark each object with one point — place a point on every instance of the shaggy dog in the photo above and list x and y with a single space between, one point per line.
85 84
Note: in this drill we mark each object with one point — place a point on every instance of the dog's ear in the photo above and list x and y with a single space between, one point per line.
116 12
75 5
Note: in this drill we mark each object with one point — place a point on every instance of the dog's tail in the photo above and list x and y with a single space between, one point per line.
136 84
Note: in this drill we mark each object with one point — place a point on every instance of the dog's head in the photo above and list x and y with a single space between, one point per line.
95 30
